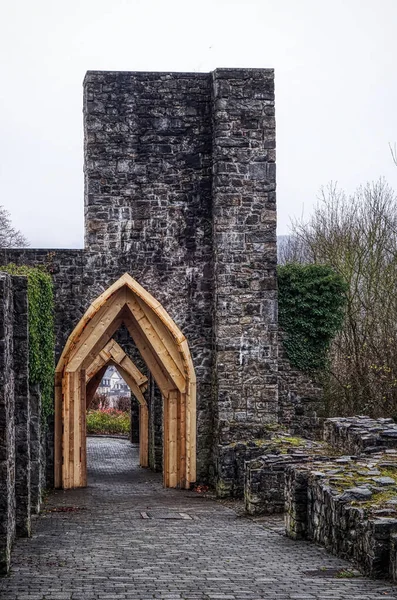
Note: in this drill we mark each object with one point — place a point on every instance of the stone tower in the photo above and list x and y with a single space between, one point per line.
180 192
180 177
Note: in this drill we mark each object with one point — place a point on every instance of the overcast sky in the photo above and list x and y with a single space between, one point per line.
336 90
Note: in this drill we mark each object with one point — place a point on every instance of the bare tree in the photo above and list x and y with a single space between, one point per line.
393 152
292 249
9 236
357 236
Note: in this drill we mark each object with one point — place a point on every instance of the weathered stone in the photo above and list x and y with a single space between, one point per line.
360 434
7 424
384 480
300 406
264 482
19 418
22 407
180 193
358 522
358 493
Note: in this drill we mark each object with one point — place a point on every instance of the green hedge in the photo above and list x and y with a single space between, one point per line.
311 311
41 331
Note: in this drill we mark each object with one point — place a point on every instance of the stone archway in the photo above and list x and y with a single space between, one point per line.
165 351
113 354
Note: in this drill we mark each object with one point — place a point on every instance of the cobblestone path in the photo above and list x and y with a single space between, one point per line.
130 539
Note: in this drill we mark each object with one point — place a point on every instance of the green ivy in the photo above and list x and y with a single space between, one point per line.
311 312
41 331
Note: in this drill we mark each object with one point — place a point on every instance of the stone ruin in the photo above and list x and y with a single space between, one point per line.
180 193
340 492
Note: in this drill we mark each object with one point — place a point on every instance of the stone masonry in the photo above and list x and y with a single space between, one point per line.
300 398
360 434
348 506
180 193
20 429
7 426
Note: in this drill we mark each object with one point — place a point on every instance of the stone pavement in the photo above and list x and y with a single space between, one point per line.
125 537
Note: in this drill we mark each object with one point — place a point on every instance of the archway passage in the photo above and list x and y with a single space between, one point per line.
113 354
165 351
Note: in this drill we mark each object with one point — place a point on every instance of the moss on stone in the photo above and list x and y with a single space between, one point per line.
293 441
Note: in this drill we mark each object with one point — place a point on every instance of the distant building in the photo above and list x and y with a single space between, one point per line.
113 385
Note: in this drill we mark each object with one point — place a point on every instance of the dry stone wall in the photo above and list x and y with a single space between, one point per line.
22 405
232 459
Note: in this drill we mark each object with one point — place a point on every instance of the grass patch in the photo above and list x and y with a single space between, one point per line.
345 574
292 441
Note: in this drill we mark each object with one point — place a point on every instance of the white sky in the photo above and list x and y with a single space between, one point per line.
336 90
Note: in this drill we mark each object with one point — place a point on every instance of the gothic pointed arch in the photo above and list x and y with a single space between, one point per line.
113 355
164 349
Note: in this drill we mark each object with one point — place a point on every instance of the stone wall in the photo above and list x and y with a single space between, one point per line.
155 405
21 439
244 249
300 398
315 512
148 173
264 477
348 505
231 466
7 425
22 405
358 434
180 193
135 424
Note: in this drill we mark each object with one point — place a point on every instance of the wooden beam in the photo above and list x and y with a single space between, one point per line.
91 316
130 381
76 441
58 434
95 332
96 365
191 435
65 430
164 334
166 443
139 378
156 344
143 435
182 475
107 335
93 384
155 305
113 352
151 360
83 430
172 415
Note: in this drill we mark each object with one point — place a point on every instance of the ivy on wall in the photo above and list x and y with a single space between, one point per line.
311 311
41 331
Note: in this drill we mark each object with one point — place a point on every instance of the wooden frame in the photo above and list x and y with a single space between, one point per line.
113 354
166 353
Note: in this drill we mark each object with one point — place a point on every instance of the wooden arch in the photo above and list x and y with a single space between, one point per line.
166 353
113 354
